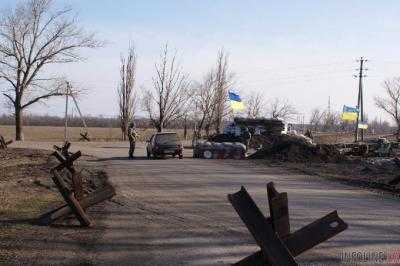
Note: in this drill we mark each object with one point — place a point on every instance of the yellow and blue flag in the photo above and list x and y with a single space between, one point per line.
349 113
235 101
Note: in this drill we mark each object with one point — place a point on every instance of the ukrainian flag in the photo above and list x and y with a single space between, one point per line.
235 101
349 113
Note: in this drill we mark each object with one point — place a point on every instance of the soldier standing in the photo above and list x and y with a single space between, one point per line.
246 136
132 135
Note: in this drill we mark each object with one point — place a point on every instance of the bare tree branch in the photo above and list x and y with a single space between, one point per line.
223 80
42 97
255 105
204 101
316 118
126 90
32 36
391 102
281 109
9 97
169 97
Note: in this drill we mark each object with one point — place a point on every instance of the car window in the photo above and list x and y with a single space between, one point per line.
167 139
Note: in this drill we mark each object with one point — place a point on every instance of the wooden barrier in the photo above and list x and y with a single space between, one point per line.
63 211
68 163
70 199
3 143
76 202
272 234
84 137
64 150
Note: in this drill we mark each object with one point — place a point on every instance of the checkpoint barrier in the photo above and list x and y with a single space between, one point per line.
216 150
4 143
64 149
84 136
71 189
278 245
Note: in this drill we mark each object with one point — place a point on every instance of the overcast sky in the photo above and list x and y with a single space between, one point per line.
304 51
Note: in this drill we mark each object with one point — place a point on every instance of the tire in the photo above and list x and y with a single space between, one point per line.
207 154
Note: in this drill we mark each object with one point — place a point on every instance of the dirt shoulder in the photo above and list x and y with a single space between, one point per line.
378 174
26 191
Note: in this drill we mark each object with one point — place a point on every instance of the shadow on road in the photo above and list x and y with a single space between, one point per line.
121 158
4 222
136 158
115 148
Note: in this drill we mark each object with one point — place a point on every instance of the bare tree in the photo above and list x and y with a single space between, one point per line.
34 35
126 91
331 121
378 126
281 109
168 99
255 105
391 102
211 96
204 103
223 79
316 118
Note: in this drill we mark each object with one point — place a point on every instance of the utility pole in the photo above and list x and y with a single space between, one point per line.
329 105
360 101
67 91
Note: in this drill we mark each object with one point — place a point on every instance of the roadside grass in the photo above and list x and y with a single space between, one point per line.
26 192
18 209
24 205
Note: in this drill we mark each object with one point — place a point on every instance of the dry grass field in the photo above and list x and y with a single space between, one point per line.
48 133
343 137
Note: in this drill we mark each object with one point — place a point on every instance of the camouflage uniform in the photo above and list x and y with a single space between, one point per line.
132 135
246 135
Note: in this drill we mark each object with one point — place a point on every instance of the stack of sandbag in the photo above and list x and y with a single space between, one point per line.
215 150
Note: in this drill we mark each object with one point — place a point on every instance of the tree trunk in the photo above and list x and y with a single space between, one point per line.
207 129
124 131
398 132
218 126
185 129
18 123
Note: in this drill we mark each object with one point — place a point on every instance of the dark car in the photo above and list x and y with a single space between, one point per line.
162 144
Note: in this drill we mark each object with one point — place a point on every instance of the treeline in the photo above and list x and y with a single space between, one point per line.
327 121
91 121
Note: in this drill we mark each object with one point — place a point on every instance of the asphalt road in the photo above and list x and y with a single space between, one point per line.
176 212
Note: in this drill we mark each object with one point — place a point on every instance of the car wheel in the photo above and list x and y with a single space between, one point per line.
207 154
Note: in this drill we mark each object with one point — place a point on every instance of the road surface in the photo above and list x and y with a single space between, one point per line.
176 212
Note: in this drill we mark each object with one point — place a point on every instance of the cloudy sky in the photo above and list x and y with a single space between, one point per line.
304 51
